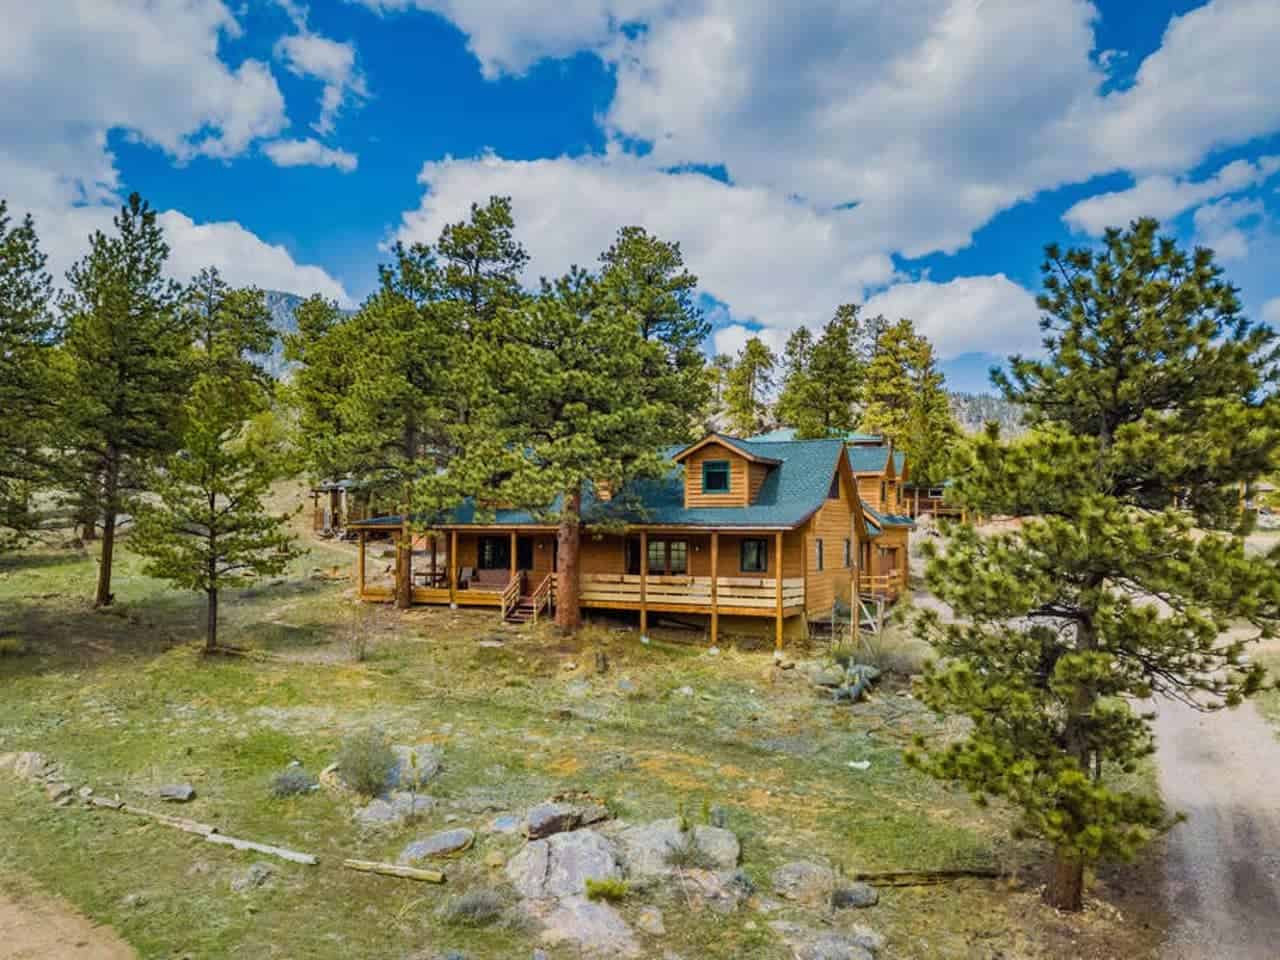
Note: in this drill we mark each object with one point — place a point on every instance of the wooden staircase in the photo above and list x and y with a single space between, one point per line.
519 607
522 612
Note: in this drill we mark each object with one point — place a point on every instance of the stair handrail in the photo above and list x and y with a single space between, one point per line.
511 595
541 596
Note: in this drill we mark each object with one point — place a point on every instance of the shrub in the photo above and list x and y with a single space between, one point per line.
475 908
365 761
607 889
292 781
357 635
687 854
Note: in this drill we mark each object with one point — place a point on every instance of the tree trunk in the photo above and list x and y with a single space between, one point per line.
1066 885
568 537
211 631
103 597
111 490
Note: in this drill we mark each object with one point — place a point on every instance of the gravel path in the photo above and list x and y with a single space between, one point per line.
1222 877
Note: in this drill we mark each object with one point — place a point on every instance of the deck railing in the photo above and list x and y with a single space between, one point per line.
746 593
881 585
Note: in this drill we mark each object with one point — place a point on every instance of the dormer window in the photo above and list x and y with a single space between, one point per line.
715 476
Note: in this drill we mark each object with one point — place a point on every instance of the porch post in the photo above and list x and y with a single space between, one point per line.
777 582
513 556
404 567
855 594
433 558
644 584
360 566
453 569
715 594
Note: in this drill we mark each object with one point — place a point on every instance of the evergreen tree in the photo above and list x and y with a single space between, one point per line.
822 379
647 278
27 336
717 373
127 362
206 527
905 401
750 382
571 407
1155 401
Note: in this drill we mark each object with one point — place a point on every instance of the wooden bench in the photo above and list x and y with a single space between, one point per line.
493 580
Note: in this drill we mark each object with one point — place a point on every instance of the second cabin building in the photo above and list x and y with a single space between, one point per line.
741 534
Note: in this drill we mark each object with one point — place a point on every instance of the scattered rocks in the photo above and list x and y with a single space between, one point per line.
716 891
30 765
257 874
438 845
855 943
561 865
806 882
132 901
395 809
647 846
597 928
650 921
505 823
855 895
548 818
56 790
415 766
177 792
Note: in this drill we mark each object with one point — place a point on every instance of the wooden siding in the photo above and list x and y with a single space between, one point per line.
832 524
739 482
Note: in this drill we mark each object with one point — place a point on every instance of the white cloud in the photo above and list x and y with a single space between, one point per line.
309 153
1226 225
986 314
332 62
509 36
1164 197
74 71
773 259
243 258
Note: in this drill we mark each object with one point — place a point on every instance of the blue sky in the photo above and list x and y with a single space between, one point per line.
915 160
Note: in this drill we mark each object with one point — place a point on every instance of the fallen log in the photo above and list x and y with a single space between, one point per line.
394 870
178 823
283 853
926 878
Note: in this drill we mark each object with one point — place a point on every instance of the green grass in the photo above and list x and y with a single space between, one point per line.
126 702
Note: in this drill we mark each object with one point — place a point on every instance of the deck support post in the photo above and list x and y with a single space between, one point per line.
360 566
644 585
404 567
777 581
715 577
433 558
453 569
513 554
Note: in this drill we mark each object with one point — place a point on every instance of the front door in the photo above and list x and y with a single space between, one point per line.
524 553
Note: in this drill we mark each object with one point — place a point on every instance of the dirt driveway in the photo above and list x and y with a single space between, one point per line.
35 926
1222 883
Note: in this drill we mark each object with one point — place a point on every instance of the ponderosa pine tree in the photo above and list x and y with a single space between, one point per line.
750 381
647 278
27 336
205 526
126 358
717 374
1155 401
570 409
822 379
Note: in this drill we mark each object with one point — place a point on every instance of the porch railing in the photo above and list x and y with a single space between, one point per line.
739 592
881 585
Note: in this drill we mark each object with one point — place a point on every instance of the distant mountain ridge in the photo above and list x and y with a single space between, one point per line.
973 410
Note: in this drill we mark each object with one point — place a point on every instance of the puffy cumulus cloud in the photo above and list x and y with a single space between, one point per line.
309 153
982 314
333 63
1164 197
243 258
1212 82
771 258
73 71
1225 226
509 36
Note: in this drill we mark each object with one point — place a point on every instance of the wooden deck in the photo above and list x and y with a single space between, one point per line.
734 596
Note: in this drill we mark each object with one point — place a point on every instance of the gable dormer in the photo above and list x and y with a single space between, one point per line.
721 472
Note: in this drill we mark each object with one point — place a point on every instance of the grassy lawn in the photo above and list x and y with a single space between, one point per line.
125 702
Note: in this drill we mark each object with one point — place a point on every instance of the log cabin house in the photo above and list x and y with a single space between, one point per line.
739 533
